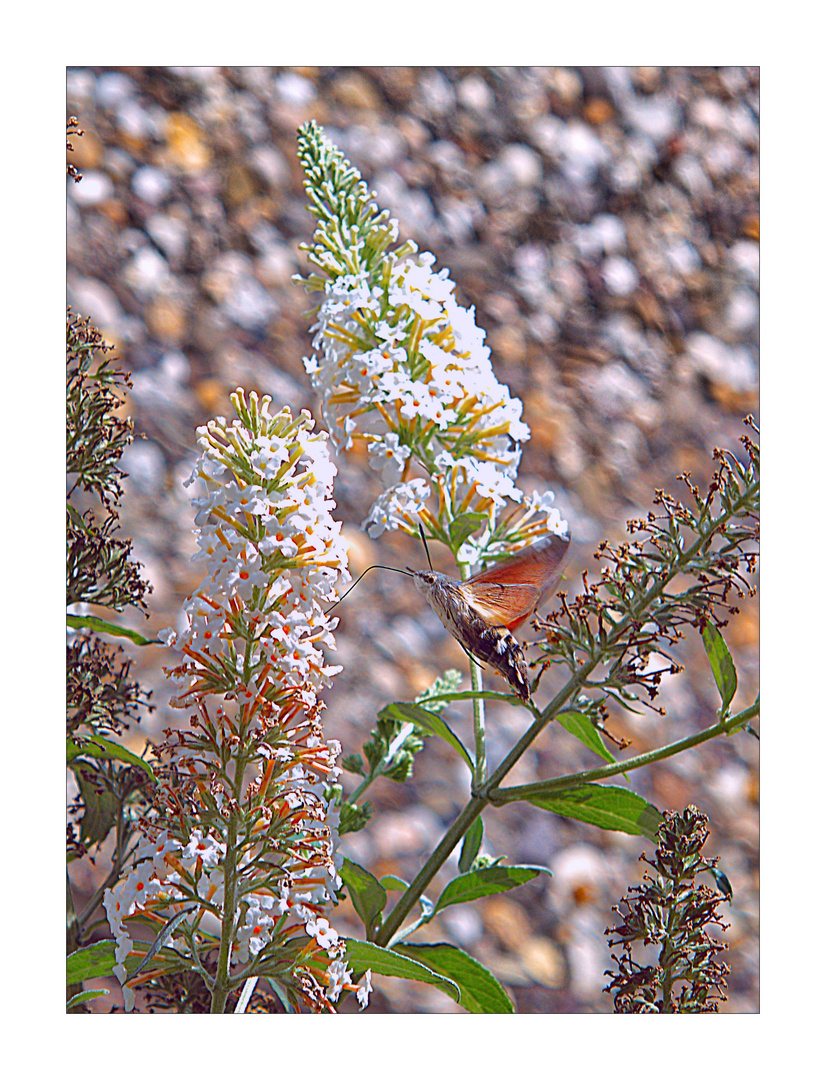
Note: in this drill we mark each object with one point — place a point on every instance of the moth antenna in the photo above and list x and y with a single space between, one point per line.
376 566
426 549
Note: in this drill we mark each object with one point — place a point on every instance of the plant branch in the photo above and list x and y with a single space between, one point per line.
525 791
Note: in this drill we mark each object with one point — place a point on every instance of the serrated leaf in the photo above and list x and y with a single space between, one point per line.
364 955
90 962
579 725
471 845
481 992
407 711
353 763
367 893
485 882
92 622
95 746
722 665
462 526
433 697
604 805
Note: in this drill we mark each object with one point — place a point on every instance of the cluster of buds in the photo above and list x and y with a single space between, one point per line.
677 916
237 866
402 368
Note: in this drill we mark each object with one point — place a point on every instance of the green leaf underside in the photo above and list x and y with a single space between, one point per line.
85 995
722 665
407 711
362 955
367 893
95 746
92 622
604 805
471 845
580 726
481 992
485 882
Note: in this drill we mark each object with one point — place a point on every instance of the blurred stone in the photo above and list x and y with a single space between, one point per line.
151 184
620 276
113 87
475 94
239 186
270 165
97 301
598 111
507 343
355 91
507 920
86 152
435 95
186 148
95 187
146 272
166 318
543 961
294 88
170 234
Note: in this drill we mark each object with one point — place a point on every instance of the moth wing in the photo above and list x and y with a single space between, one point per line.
501 603
520 583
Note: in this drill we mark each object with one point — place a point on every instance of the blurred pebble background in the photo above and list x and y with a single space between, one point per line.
605 224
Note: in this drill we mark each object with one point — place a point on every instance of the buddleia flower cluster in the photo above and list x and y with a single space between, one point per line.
402 368
237 866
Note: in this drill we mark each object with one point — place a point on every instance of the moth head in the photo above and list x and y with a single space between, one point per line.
424 580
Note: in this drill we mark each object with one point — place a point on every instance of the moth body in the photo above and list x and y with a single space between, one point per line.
482 611
494 645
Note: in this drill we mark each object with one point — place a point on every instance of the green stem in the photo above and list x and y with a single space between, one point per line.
223 983
473 808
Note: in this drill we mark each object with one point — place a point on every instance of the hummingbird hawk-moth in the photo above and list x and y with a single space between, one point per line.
483 611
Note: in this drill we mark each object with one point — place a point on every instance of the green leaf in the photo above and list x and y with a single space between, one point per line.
95 746
471 844
164 936
722 665
406 711
723 883
462 526
486 695
367 893
85 995
101 810
394 884
604 805
433 697
481 992
90 962
485 882
580 726
362 955
353 763
92 622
